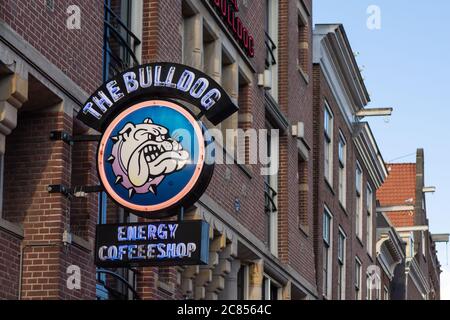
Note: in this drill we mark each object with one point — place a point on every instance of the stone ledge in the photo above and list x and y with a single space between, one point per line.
12 228
82 243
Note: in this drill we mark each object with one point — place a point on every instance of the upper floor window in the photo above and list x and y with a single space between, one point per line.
342 153
359 201
271 42
271 194
358 275
328 143
120 43
369 224
303 40
327 253
386 293
341 264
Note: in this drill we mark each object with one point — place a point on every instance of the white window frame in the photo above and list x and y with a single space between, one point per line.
358 278
328 130
327 237
342 256
269 282
424 244
137 26
369 226
359 201
272 15
246 277
411 251
368 287
386 293
273 182
342 158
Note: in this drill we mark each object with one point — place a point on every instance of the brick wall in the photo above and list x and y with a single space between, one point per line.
78 53
9 266
324 194
43 216
295 100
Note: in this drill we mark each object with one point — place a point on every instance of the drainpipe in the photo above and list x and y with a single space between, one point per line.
22 251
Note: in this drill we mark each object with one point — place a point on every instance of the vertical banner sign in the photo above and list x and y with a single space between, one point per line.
155 157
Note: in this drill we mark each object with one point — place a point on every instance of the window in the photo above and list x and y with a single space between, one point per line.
271 289
342 152
327 253
359 204
369 234
271 194
386 293
358 275
341 264
242 283
120 40
303 42
328 147
271 41
411 245
424 244
303 194
368 288
373 285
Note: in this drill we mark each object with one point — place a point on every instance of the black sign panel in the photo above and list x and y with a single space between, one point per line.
152 244
164 81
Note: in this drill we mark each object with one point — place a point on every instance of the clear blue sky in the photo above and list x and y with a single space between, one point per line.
406 66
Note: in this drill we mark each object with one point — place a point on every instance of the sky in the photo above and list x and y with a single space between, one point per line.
405 66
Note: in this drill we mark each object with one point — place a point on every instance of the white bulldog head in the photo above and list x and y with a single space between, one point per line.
146 151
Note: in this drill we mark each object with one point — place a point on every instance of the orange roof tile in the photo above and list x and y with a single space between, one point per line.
401 218
400 186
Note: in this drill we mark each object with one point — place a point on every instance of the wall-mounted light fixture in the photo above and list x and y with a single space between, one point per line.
265 79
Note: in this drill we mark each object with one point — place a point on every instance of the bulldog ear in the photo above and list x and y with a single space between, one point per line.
125 132
148 121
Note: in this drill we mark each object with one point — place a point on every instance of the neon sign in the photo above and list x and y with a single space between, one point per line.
151 158
227 10
155 158
162 243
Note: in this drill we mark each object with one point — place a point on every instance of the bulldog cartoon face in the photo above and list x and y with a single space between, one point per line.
143 154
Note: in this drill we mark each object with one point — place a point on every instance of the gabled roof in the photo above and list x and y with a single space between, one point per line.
399 189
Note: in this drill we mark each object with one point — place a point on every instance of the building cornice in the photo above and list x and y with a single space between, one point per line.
412 269
389 250
333 52
370 153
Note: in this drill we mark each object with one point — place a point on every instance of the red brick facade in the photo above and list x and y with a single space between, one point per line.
36 255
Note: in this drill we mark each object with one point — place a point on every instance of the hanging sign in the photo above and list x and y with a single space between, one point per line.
157 81
155 158
152 244
155 155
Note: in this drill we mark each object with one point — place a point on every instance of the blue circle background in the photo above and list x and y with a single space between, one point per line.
173 183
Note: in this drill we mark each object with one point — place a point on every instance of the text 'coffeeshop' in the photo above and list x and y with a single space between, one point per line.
148 167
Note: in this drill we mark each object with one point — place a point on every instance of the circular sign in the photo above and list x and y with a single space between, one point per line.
152 158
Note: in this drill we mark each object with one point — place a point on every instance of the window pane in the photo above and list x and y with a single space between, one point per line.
326 227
